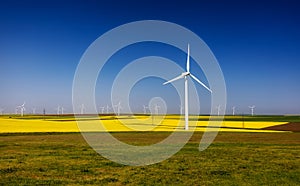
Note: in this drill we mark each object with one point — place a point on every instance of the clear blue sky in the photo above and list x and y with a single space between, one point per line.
257 44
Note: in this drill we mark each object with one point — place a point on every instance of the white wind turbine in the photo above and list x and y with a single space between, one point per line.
57 110
156 109
22 108
118 108
252 109
145 109
218 109
185 76
82 109
233 111
102 110
62 110
107 109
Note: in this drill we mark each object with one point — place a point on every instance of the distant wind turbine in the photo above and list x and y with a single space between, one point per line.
22 108
233 111
118 106
62 110
156 108
102 110
185 75
107 109
252 109
57 110
82 109
218 109
145 109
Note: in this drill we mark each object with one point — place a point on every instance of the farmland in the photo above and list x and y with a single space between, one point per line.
48 150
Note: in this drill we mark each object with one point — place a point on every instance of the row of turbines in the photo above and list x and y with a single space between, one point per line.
146 110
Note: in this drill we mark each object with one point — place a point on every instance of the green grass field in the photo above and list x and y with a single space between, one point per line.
233 159
64 158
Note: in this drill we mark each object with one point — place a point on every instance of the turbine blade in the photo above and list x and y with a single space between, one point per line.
200 82
188 60
174 79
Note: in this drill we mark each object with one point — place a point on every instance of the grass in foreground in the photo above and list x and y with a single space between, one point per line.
233 159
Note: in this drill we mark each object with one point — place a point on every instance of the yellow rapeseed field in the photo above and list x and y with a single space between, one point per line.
125 123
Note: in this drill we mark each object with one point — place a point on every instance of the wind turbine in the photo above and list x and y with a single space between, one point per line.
107 109
252 109
57 110
218 109
22 108
102 110
145 109
62 110
82 109
233 111
185 75
118 108
156 108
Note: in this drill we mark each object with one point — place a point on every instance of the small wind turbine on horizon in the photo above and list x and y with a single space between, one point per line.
233 111
62 110
107 109
218 109
82 109
22 108
156 108
118 106
57 110
252 109
145 109
185 75
102 110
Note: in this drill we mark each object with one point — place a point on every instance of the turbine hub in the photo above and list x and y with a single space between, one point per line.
185 73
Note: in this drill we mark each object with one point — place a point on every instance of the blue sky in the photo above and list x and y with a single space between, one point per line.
256 43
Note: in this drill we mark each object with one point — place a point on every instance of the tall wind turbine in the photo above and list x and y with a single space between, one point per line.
185 75
156 108
145 109
107 109
233 111
102 110
218 109
82 109
62 110
22 108
57 110
118 108
252 109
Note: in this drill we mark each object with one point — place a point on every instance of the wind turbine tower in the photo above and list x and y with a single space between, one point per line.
252 109
118 108
82 109
185 75
233 111
57 110
218 109
22 108
145 109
